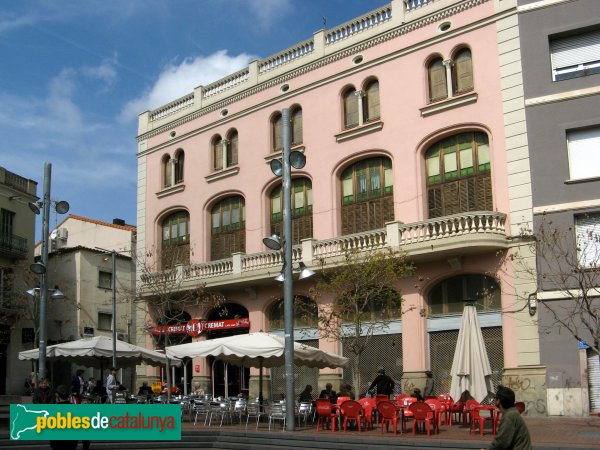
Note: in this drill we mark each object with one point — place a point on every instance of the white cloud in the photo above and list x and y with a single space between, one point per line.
105 72
267 11
178 80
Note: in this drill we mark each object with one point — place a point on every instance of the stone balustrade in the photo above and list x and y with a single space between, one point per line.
321 44
453 231
173 107
286 56
226 83
359 25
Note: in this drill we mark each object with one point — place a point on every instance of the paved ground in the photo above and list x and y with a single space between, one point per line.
547 433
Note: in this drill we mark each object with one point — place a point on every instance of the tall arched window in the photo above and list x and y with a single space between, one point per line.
232 148
167 171
175 240
305 313
450 295
302 226
371 101
350 108
179 166
277 133
438 86
462 71
217 151
228 233
367 195
296 116
459 175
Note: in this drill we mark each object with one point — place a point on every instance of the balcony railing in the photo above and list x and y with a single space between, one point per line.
13 246
480 229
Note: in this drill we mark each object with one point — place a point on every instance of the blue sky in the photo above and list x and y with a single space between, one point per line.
74 75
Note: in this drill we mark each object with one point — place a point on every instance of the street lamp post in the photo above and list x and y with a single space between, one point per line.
282 167
41 268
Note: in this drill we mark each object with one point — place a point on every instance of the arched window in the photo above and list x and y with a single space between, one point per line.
179 166
296 126
305 313
302 227
350 108
459 175
232 148
371 101
367 195
175 240
228 234
167 171
462 71
217 151
450 295
277 133
438 86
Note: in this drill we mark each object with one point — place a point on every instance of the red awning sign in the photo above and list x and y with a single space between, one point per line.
194 327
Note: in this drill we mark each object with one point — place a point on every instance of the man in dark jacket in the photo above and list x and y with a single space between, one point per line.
512 432
383 383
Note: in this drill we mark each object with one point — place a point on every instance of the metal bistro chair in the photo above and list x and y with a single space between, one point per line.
303 412
239 408
276 412
222 411
253 410
201 409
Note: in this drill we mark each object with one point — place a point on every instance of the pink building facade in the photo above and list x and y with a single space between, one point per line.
411 120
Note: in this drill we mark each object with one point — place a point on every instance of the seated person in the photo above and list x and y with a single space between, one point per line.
145 389
417 394
346 391
329 393
306 394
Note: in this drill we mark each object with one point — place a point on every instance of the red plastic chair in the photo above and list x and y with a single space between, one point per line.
448 403
341 400
520 407
468 411
325 414
369 405
478 420
351 411
389 415
422 413
439 408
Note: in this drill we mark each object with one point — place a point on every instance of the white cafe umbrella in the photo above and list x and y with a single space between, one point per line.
97 352
256 350
471 368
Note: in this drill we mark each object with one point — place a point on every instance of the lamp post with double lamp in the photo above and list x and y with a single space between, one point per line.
41 268
282 167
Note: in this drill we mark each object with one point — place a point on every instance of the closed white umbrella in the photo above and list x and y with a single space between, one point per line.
97 352
471 368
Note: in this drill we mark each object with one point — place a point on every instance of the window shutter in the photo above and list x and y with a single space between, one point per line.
372 103
588 239
437 80
277 134
232 154
434 201
218 152
584 153
168 172
451 201
297 127
350 110
575 50
463 69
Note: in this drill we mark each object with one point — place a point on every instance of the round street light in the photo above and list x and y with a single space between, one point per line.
38 268
273 242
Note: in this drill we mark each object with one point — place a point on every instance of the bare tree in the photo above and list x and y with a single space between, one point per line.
568 262
364 300
166 296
